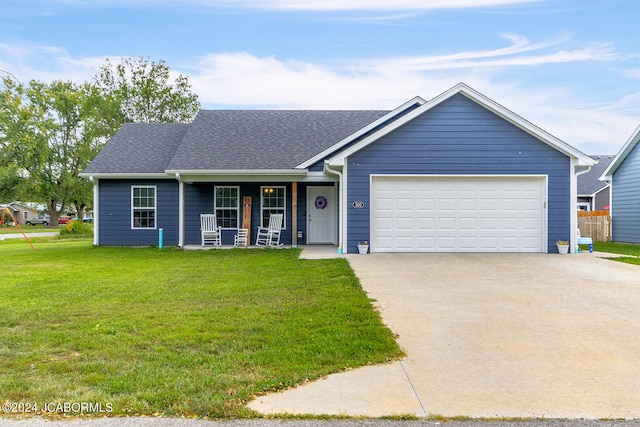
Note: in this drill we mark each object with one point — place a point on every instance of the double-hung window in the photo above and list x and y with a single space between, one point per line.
143 206
273 200
227 206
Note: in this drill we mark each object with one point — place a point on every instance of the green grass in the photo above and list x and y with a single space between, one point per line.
633 251
39 228
177 333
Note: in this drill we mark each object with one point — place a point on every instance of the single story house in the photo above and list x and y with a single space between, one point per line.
623 174
22 212
593 193
457 173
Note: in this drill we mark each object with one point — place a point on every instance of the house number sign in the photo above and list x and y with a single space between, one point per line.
358 205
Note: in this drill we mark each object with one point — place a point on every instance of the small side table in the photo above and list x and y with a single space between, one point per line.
586 241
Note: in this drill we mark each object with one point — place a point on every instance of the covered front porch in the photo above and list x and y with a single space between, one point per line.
309 209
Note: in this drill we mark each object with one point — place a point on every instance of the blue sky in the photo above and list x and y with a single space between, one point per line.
572 67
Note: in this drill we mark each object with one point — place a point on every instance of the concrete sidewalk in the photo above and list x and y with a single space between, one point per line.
20 236
490 335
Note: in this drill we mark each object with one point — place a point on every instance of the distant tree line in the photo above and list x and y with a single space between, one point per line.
50 132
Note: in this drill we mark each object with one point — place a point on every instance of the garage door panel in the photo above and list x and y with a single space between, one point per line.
405 224
425 225
446 224
465 224
448 214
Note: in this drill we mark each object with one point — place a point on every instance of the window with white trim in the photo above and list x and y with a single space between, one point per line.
273 200
227 206
143 206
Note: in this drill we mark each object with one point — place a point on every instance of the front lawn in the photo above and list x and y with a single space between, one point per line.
177 333
633 251
38 228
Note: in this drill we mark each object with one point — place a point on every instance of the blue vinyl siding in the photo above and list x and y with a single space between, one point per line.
115 213
199 199
459 137
626 201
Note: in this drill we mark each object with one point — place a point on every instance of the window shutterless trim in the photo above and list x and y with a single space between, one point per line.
278 209
154 208
216 207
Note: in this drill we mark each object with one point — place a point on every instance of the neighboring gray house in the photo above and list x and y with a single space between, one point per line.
23 211
593 193
458 173
623 174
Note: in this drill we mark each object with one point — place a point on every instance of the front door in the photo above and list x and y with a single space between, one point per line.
322 212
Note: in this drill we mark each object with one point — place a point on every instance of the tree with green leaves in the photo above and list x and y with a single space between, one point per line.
11 183
51 132
143 91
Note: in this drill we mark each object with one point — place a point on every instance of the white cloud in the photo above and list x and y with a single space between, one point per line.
243 80
317 5
377 5
239 78
45 63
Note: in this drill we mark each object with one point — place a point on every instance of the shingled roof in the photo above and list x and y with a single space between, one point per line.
588 183
139 148
229 140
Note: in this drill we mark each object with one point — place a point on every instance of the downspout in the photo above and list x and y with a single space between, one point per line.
341 207
180 211
573 240
96 210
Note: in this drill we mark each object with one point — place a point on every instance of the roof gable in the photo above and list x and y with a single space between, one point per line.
365 131
499 110
622 155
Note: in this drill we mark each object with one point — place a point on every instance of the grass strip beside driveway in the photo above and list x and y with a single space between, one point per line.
631 250
177 333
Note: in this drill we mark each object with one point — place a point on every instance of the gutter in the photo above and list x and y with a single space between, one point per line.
341 207
214 172
573 240
96 211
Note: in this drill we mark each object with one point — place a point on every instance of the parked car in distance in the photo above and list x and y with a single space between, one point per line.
44 220
87 219
64 220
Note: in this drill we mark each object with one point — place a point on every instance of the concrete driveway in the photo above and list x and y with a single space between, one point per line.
490 335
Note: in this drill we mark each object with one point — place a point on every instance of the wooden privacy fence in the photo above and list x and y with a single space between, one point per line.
595 224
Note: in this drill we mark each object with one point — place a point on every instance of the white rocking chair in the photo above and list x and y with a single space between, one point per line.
270 236
209 230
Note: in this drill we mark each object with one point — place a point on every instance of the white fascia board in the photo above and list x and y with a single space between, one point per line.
582 159
121 175
238 172
607 175
273 175
347 140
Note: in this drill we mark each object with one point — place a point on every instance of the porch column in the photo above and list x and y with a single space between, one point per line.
96 211
294 214
180 211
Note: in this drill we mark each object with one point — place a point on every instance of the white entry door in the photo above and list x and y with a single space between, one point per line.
322 213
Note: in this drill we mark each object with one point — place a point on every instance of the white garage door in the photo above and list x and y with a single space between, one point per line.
458 214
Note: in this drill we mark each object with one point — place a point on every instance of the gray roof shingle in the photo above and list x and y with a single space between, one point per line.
228 140
139 148
263 139
588 183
